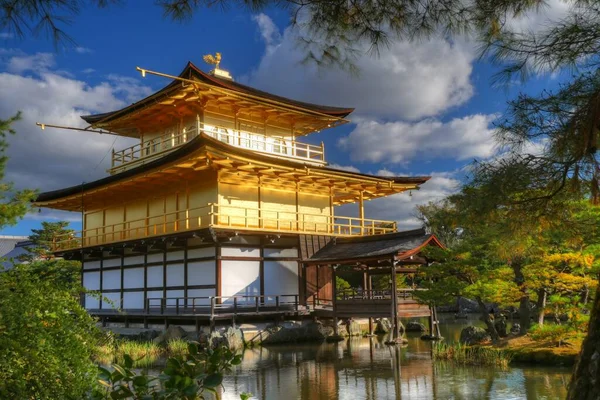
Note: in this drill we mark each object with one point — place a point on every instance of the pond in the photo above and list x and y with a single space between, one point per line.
365 368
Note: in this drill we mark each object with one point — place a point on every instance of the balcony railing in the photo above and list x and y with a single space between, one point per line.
224 216
274 146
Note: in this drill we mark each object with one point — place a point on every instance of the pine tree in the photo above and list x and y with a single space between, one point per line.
13 204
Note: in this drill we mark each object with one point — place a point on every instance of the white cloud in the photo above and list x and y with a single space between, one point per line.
25 63
348 168
268 30
410 80
538 20
83 50
131 89
6 35
53 159
402 207
400 142
45 214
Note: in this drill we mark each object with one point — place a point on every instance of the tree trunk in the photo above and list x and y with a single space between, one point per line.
524 303
586 295
541 305
489 323
585 382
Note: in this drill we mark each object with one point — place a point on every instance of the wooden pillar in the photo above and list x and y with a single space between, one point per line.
396 325
370 291
334 301
361 212
431 333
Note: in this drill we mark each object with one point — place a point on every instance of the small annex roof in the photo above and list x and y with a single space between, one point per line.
12 257
193 72
351 249
195 146
8 243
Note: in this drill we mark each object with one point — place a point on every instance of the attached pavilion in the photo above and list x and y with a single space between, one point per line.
388 254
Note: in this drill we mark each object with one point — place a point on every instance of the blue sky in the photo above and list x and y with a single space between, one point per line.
421 108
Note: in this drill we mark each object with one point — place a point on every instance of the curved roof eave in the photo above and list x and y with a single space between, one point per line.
196 144
190 70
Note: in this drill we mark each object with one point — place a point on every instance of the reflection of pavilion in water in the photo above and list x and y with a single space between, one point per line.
353 369
365 368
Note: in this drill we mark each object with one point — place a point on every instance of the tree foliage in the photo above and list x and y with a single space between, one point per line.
47 338
13 204
42 240
494 259
185 377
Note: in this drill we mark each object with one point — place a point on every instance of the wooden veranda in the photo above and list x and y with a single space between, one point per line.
390 254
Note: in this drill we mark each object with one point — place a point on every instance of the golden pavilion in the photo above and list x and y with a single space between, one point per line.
219 202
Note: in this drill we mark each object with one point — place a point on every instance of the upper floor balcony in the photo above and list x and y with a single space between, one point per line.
227 217
271 145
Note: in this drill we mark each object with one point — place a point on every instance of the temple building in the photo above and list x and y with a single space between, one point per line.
219 203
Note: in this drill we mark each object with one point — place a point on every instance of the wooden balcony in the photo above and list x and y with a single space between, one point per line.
224 216
378 303
278 147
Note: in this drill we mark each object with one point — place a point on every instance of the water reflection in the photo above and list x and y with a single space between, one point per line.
365 368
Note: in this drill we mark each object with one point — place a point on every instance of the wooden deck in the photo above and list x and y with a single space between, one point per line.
209 310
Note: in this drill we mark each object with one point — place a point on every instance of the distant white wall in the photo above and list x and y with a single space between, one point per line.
240 278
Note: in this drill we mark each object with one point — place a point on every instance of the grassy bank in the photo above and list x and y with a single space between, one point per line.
471 355
525 349
517 350
144 354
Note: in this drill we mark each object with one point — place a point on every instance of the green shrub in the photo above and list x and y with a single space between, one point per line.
144 354
184 377
557 334
177 347
47 339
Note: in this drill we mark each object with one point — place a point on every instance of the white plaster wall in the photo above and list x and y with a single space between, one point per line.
154 257
240 252
91 280
112 262
240 278
175 293
201 273
175 275
175 255
133 260
280 253
133 300
133 278
281 277
200 293
153 294
92 302
91 264
155 276
114 297
201 252
111 279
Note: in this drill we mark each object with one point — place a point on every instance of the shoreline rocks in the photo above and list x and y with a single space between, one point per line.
473 335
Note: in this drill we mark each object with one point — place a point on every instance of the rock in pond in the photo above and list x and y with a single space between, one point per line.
230 337
472 335
172 332
383 326
414 326
312 331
